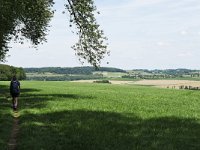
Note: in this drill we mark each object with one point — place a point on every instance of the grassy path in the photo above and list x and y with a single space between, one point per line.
12 144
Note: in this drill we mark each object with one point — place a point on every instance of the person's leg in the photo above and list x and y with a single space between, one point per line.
16 102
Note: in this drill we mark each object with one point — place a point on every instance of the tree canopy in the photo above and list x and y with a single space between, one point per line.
71 70
29 20
7 72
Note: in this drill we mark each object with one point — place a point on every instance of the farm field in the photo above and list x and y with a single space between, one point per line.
107 74
46 74
169 83
68 115
157 83
121 82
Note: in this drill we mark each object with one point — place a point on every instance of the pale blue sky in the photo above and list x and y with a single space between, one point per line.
152 34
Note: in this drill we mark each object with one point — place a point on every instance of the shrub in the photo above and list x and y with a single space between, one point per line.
102 81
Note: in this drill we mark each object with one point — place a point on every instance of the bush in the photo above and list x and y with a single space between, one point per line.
102 81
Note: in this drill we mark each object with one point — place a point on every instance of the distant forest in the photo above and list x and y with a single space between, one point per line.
7 72
69 70
174 72
158 74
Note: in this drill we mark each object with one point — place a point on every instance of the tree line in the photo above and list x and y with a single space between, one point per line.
167 71
162 74
71 70
64 78
7 72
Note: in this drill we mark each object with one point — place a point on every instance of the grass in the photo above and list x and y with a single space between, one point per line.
6 119
64 115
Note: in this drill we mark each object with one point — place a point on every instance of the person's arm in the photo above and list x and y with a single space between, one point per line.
19 85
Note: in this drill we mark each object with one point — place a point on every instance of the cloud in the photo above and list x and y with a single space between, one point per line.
163 44
183 32
185 54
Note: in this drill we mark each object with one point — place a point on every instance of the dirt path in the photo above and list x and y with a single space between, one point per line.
12 144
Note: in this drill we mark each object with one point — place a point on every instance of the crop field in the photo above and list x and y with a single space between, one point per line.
88 116
46 74
110 74
169 83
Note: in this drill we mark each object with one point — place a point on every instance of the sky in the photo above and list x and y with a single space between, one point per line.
142 34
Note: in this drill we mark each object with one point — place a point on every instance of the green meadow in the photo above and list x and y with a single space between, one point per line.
83 116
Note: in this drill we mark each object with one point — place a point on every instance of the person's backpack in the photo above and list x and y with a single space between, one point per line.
15 87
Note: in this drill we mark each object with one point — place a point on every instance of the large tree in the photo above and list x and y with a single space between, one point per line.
29 20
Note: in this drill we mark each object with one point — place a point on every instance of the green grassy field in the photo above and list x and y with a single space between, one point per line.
64 115
6 119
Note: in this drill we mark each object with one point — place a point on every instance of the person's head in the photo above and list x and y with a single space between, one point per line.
14 78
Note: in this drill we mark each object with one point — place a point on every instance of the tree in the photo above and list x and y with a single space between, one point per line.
7 72
29 20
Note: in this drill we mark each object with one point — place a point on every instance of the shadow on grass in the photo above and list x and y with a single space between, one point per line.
6 118
29 90
40 100
92 130
5 91
52 96
30 98
6 121
5 97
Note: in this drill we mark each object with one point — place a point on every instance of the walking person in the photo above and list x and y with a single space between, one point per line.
14 92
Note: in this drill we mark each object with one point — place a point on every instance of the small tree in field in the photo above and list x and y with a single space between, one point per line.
29 19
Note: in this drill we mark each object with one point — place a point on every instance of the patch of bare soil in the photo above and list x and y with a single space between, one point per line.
169 83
